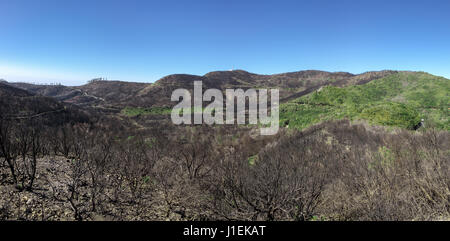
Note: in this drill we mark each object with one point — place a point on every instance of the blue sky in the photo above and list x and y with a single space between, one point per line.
73 41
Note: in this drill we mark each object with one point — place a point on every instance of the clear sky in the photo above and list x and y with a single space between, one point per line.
72 41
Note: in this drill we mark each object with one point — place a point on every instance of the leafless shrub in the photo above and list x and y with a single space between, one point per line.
21 144
133 167
284 182
406 178
62 139
8 146
331 171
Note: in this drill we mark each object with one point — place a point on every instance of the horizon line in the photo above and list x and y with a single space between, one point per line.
58 81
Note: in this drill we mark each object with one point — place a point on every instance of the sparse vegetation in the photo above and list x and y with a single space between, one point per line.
349 154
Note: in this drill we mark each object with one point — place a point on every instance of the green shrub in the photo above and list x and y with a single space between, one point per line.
400 100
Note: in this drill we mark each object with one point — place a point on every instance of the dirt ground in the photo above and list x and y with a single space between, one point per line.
49 199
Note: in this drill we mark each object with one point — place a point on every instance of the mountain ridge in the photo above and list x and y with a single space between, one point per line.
124 93
397 98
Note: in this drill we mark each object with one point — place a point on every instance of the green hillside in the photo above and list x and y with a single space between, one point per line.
399 100
136 111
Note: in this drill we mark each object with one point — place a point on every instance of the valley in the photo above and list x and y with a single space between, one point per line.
348 149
